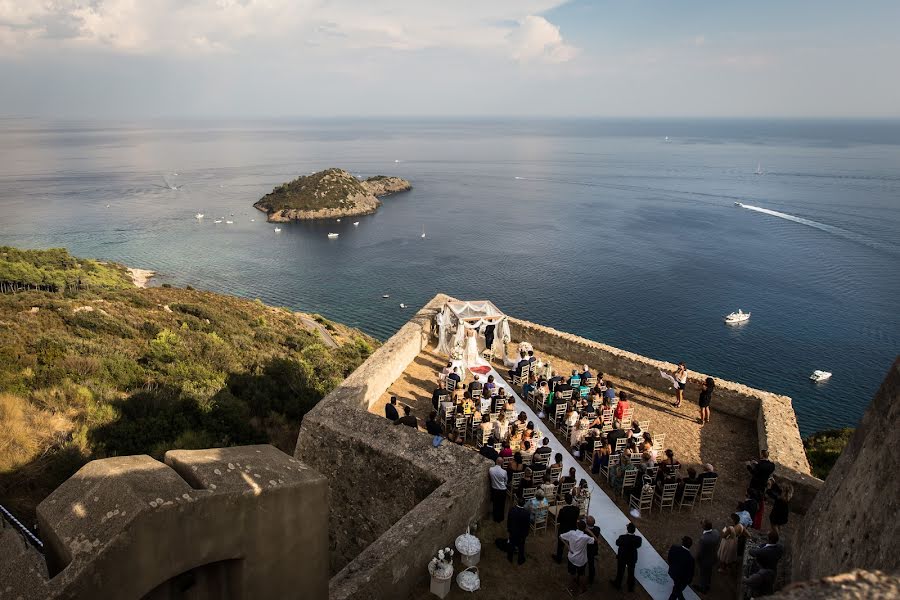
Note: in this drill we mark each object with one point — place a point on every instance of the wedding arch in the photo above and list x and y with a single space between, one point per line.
457 316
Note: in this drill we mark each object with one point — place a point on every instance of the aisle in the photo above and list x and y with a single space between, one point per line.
652 571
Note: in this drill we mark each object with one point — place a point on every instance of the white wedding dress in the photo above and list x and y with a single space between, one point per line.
471 355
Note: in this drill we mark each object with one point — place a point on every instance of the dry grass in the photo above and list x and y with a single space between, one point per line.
26 431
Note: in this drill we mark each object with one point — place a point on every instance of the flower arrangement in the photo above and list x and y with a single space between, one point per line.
456 353
525 347
441 565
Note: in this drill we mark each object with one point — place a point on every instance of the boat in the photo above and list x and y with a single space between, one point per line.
217 221
818 375
107 206
423 232
739 205
337 220
737 317
278 230
356 223
198 216
759 170
229 222
331 236
402 305
253 220
667 138
386 296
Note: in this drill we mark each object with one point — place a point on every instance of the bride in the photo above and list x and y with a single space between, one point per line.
471 356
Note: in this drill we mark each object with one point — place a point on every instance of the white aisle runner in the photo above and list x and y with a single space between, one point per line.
652 571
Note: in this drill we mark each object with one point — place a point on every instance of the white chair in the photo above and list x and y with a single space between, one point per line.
613 462
565 488
555 472
708 489
538 474
559 415
621 443
689 495
644 501
451 384
644 425
528 493
514 482
628 480
521 378
666 498
540 522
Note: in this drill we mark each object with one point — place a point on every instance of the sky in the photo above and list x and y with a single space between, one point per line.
400 58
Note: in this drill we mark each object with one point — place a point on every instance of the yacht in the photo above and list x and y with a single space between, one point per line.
737 317
818 376
217 221
198 216
229 222
278 230
402 305
332 236
338 220
386 296
356 223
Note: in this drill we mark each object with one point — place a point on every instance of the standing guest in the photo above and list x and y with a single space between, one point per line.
781 506
592 549
407 418
538 506
761 583
390 409
707 554
566 521
626 557
728 548
518 523
499 480
622 406
706 394
681 567
577 540
760 471
767 556
432 426
680 377
489 336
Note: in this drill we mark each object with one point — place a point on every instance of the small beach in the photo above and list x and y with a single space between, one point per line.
141 277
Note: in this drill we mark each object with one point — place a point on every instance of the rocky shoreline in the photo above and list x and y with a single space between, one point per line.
329 194
141 277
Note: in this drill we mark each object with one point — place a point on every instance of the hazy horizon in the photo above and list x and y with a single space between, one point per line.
119 59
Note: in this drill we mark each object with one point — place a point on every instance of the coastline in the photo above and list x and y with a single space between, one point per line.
140 277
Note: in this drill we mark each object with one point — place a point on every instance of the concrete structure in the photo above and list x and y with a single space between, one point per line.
852 523
244 522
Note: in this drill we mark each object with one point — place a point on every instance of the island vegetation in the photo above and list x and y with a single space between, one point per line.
328 194
824 448
106 369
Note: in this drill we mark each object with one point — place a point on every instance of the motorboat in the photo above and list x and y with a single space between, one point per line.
198 216
332 236
402 305
229 222
278 230
818 376
386 296
739 205
356 223
737 317
217 221
423 232
253 220
338 220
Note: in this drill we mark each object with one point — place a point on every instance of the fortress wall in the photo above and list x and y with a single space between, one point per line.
229 523
852 523
772 414
394 498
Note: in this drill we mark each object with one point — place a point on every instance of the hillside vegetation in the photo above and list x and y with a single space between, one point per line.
115 371
824 448
56 270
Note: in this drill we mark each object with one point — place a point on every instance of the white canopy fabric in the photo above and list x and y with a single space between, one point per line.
458 316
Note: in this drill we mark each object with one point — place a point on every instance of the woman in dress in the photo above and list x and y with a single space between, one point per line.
728 548
680 377
781 506
706 393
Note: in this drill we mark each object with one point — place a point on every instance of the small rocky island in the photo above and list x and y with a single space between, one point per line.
328 194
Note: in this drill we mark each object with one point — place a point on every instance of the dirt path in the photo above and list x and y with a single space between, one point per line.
327 338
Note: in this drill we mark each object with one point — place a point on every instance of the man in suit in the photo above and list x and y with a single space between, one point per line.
760 471
628 544
567 519
592 549
489 336
390 409
475 386
523 362
439 395
616 433
709 472
768 555
518 523
681 567
707 554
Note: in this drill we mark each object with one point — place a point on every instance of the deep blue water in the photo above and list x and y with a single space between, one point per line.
601 228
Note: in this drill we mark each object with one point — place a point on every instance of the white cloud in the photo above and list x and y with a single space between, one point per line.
537 39
511 28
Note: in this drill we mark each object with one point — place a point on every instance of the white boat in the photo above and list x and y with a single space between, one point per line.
818 376
253 220
229 222
198 216
331 236
356 223
338 220
217 221
739 205
278 230
759 170
423 232
386 296
667 138
737 317
402 305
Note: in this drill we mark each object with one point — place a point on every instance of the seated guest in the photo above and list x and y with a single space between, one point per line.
669 464
475 386
561 388
437 396
531 357
527 448
515 465
647 462
593 402
554 381
506 451
455 375
501 427
530 386
617 474
622 406
601 458
529 430
538 506
468 407
599 386
489 387
636 432
586 374
486 426
510 403
487 451
544 452
575 379
616 434
568 478
610 393
390 409
456 436
548 486
442 376
557 462
708 473
523 361
527 478
690 479
407 418
432 426
571 415
522 420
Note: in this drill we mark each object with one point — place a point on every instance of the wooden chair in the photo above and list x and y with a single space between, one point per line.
628 481
666 498
644 501
708 489
689 495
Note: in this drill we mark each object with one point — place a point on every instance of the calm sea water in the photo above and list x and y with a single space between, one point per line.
601 228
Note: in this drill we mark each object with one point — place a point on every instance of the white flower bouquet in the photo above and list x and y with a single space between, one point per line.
441 565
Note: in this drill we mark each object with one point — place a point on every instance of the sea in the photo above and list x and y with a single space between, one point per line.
622 231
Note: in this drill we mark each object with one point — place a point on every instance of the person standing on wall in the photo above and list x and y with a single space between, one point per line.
499 480
628 544
706 394
680 377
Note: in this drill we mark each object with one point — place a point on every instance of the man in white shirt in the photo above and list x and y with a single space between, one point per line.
499 479
577 541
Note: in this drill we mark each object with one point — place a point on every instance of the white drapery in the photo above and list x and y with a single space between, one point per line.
458 316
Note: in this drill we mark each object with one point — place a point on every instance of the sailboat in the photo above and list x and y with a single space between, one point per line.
759 170
423 232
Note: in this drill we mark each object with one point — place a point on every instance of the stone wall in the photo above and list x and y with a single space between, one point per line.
395 499
239 522
852 523
772 414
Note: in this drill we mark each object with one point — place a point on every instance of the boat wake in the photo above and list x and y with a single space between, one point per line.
847 235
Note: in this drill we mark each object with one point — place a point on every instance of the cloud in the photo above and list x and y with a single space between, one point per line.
537 39
511 28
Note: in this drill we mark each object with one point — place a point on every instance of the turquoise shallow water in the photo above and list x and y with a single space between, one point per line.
601 228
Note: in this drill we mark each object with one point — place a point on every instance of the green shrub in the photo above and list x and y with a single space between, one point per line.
824 448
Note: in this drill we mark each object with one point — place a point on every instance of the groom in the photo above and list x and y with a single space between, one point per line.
489 337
